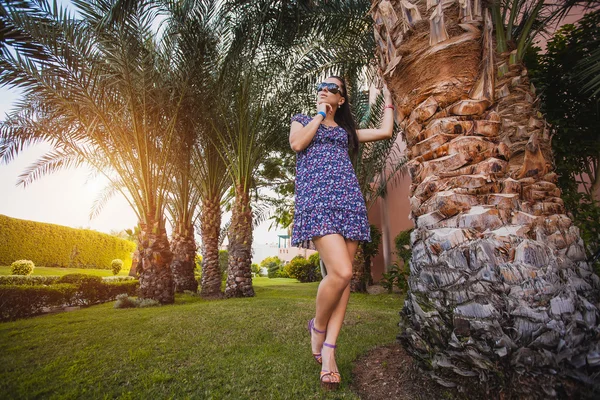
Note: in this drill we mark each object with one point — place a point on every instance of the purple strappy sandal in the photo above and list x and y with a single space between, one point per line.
311 327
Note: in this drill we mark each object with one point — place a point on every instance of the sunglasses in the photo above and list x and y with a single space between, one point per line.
331 87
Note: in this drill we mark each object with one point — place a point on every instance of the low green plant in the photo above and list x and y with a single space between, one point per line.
19 301
116 266
281 273
79 279
402 244
396 276
255 268
25 300
28 280
92 290
303 270
314 259
274 266
22 267
124 301
117 278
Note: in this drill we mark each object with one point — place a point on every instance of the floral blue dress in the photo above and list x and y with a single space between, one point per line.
328 196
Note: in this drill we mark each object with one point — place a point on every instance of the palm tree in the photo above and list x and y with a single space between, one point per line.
246 133
101 92
499 284
192 32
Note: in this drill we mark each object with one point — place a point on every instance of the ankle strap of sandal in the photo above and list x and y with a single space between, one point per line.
315 328
331 346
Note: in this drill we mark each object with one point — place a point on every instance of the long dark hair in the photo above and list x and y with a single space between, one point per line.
343 117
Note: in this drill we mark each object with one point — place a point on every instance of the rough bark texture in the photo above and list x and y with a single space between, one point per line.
183 246
499 284
210 221
156 279
359 273
135 259
239 271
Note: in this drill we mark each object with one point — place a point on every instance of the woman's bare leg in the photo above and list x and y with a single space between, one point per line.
333 293
337 317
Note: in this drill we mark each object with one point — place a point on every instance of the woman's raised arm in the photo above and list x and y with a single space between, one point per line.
387 125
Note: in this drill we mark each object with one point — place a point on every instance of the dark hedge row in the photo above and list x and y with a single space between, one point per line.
50 245
19 301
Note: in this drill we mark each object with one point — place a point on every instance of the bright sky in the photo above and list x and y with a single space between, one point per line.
66 198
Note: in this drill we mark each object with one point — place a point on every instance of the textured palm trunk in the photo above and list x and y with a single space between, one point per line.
239 271
135 259
210 221
183 246
358 283
498 282
156 279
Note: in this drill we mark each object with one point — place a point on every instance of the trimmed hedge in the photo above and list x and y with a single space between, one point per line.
18 301
52 245
28 280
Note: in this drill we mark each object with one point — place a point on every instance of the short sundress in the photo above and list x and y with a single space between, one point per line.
328 196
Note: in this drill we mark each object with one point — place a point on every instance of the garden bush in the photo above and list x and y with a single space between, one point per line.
22 267
124 301
63 246
28 280
19 301
116 266
402 244
303 270
255 268
117 278
274 266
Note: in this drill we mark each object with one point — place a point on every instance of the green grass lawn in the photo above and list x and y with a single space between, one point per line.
48 271
256 348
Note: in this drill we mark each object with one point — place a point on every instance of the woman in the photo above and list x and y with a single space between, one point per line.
330 210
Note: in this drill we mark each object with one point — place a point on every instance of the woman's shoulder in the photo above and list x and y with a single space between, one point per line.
302 118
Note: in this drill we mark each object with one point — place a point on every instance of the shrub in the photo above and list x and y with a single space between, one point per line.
273 266
303 270
28 280
63 246
18 301
314 259
281 273
79 278
395 276
92 289
255 268
402 242
117 278
116 266
124 301
22 267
